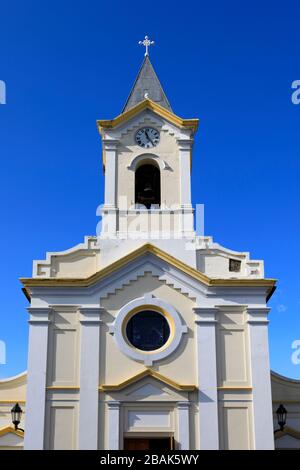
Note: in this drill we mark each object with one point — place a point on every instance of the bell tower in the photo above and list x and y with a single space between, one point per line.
147 153
148 329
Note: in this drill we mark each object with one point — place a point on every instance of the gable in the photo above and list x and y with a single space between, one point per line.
287 440
9 437
148 385
169 262
148 282
151 105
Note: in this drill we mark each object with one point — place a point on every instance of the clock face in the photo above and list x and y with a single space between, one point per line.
147 137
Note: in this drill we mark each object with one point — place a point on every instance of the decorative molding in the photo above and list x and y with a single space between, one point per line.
258 316
148 156
156 108
183 405
147 373
90 315
234 389
148 302
39 315
63 387
110 144
10 429
185 144
206 315
148 248
44 268
3 402
287 431
114 405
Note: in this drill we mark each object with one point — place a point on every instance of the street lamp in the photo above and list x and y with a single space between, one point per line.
281 417
16 414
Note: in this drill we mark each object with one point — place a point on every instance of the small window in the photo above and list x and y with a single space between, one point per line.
148 330
234 265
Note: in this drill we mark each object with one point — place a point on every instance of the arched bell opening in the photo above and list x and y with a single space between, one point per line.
147 185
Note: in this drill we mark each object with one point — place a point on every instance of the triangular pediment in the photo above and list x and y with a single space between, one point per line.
146 390
136 379
10 437
155 108
289 438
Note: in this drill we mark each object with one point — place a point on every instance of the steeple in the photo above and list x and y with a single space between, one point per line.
147 85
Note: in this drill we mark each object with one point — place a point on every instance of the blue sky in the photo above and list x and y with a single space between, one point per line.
231 64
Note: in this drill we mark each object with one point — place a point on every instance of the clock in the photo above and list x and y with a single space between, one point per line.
147 137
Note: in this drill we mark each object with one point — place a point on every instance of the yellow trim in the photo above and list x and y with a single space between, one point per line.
67 387
147 373
12 401
146 104
156 108
287 430
154 308
8 429
147 248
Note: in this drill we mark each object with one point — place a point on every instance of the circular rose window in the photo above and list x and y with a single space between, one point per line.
147 330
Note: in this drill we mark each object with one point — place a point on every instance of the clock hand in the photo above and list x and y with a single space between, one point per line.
149 138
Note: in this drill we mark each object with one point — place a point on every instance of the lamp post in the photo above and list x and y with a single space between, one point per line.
16 414
281 418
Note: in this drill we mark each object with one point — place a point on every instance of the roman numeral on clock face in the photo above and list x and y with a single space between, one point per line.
147 137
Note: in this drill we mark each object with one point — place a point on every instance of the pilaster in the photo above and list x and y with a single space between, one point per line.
89 377
261 378
207 378
37 375
114 425
183 410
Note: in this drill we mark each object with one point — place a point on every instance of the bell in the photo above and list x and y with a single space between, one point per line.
147 187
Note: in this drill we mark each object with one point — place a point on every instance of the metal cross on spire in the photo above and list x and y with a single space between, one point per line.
147 43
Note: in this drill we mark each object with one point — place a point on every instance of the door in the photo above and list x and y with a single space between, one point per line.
144 443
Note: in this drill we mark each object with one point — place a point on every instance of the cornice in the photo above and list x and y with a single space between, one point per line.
156 108
143 374
269 284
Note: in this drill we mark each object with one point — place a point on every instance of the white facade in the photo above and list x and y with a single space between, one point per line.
208 386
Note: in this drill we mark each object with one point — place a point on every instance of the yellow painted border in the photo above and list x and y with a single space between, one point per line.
288 431
147 104
144 249
2 402
10 429
147 373
157 309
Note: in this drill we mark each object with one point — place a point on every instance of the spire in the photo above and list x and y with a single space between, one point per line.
146 85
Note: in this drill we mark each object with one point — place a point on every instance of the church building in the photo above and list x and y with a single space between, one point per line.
148 335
